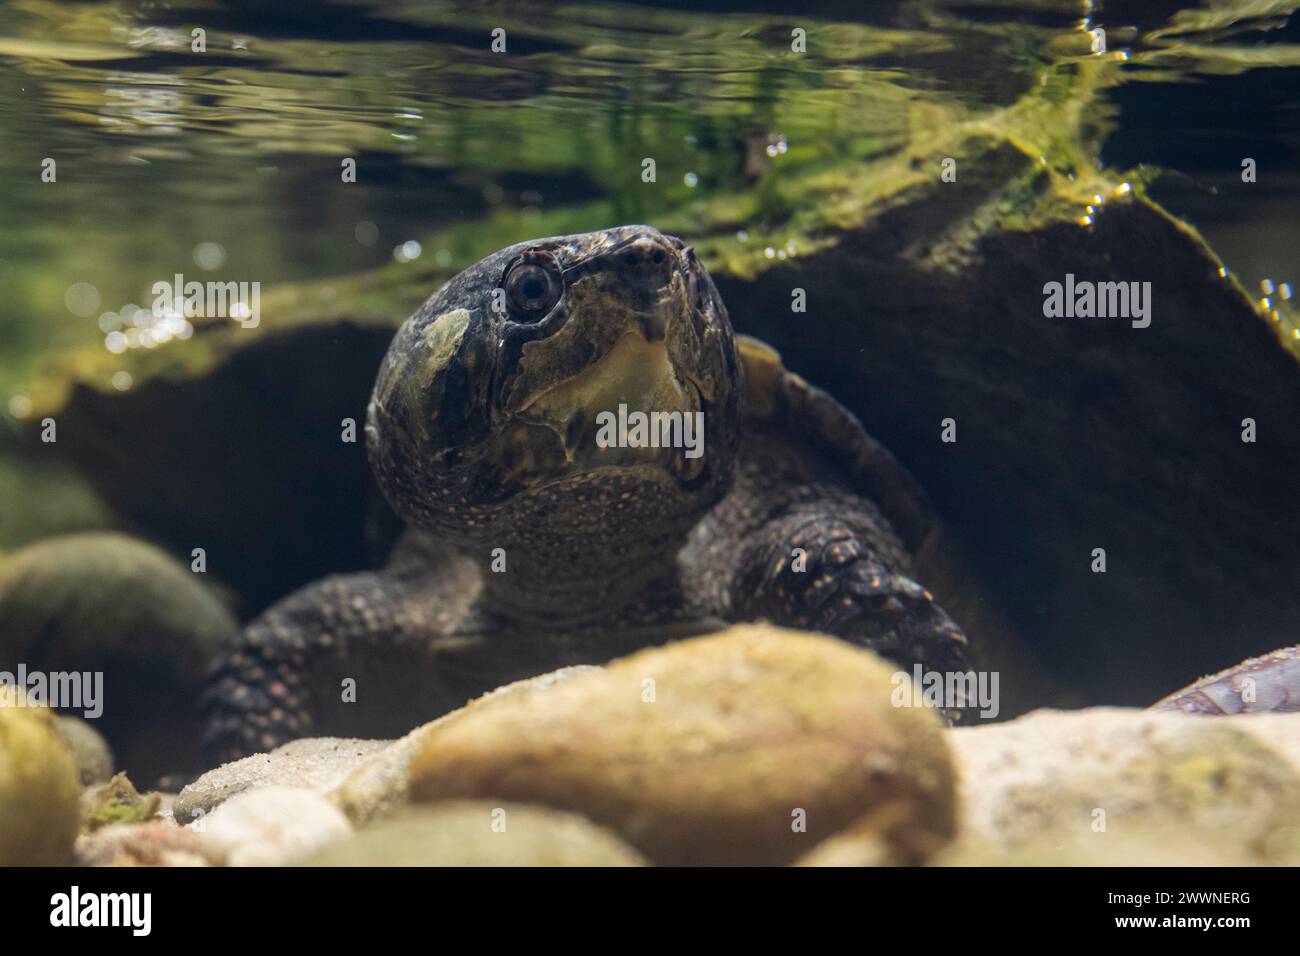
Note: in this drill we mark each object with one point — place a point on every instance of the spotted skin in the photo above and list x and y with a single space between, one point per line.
821 526
285 679
481 432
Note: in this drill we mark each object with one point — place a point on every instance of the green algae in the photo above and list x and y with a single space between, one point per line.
117 802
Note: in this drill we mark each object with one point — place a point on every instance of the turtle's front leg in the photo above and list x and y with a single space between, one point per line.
832 567
351 655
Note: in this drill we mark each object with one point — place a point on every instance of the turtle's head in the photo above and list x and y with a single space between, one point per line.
575 383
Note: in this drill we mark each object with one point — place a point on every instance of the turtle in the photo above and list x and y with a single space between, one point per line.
547 525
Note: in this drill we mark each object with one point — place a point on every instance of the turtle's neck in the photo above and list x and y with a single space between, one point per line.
579 582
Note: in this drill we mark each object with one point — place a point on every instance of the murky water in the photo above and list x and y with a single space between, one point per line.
227 161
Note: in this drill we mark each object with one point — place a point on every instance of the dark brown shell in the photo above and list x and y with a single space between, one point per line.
779 396
941 561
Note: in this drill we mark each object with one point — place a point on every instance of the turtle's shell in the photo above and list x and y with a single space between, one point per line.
784 400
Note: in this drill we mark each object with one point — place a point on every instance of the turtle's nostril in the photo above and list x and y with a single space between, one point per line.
648 260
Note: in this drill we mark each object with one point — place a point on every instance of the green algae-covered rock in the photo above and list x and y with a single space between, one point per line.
89 749
117 802
220 460
39 789
480 833
108 604
745 747
44 495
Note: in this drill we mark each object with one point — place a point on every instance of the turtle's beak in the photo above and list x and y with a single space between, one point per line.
623 303
649 263
648 273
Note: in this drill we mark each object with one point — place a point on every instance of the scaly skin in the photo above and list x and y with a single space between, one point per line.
481 432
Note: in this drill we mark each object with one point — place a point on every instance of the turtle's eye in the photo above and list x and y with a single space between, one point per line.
532 289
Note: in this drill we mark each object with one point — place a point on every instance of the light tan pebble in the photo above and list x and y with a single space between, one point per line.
270 826
480 833
749 746
314 763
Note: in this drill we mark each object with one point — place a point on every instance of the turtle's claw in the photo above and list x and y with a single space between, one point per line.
838 584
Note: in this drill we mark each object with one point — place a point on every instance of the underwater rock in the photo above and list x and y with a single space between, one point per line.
480 833
44 495
270 826
117 802
140 844
39 790
1157 846
366 778
89 749
850 848
378 786
313 763
1070 434
888 836
745 747
1279 731
109 604
1111 781
216 454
